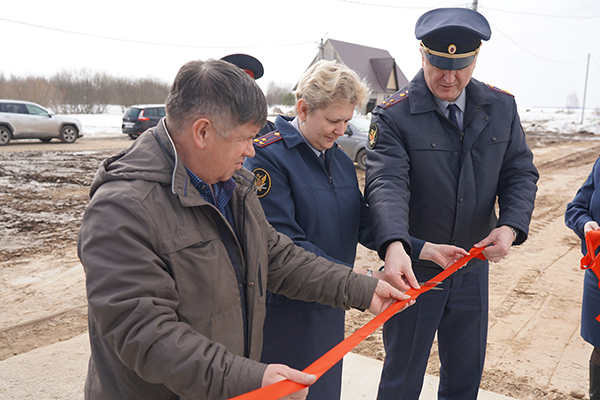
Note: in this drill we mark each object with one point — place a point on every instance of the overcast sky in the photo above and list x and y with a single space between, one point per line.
538 50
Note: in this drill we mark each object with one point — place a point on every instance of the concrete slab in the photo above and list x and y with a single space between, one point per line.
361 378
53 372
58 372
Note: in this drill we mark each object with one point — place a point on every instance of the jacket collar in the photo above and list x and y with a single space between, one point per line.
422 100
290 135
180 180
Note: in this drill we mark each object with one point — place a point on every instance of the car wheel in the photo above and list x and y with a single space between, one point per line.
68 134
5 135
361 159
133 137
46 140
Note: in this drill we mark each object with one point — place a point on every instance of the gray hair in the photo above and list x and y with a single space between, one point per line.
217 90
327 82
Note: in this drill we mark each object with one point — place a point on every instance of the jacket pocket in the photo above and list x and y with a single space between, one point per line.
429 142
491 137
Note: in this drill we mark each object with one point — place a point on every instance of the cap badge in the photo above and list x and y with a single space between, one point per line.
452 49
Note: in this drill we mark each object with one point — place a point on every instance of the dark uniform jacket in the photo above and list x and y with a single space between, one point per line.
165 310
585 207
319 206
426 181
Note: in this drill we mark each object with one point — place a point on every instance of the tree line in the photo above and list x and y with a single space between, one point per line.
83 91
87 92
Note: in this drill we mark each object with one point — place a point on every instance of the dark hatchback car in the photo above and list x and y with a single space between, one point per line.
354 140
140 117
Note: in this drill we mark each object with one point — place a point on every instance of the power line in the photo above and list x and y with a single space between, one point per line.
473 3
150 43
541 15
532 53
390 6
595 62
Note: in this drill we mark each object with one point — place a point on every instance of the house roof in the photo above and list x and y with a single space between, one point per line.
375 65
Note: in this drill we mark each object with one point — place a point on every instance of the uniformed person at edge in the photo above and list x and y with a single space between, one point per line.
442 152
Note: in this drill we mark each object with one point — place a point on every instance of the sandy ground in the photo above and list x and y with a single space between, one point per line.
534 347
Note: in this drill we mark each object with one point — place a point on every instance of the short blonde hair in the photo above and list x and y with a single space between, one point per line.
327 82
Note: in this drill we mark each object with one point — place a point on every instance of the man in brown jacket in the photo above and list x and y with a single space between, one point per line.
178 254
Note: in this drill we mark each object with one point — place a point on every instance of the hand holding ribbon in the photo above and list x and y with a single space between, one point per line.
329 359
589 261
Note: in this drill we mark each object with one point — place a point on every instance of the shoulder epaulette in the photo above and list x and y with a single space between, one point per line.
497 89
267 139
394 99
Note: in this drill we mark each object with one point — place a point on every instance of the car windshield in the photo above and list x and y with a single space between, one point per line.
132 112
361 123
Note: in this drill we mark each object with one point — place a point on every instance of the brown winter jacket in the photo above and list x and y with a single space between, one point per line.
165 315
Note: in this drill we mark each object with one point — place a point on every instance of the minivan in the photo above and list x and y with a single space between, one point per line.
139 118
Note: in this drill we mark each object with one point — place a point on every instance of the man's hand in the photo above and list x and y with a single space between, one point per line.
278 372
590 226
398 268
385 295
501 239
443 255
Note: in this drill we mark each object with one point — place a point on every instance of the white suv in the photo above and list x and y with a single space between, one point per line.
26 120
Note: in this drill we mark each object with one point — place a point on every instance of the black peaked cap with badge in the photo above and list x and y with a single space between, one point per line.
451 37
249 64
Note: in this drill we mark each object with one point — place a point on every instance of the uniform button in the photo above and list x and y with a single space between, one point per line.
432 144
486 118
464 152
454 242
494 138
250 284
455 153
460 200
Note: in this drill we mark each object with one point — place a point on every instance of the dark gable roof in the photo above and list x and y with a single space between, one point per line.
375 65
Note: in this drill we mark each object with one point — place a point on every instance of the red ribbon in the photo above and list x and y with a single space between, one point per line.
319 367
592 241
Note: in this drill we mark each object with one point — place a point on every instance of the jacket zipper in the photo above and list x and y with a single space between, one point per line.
245 272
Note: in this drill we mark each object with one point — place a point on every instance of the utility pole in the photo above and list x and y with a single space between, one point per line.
585 88
474 6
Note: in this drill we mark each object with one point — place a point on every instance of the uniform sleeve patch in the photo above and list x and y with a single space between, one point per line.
267 139
373 136
394 99
497 89
262 182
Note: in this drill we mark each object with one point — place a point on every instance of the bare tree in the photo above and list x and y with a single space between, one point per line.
35 89
275 93
83 91
572 102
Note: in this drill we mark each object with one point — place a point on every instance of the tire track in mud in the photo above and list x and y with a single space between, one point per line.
545 288
60 326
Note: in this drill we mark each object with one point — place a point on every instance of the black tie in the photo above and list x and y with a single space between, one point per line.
452 109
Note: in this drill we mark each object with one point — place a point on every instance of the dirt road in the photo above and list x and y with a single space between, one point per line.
534 347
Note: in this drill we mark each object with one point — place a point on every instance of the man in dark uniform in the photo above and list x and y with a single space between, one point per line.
255 69
442 152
